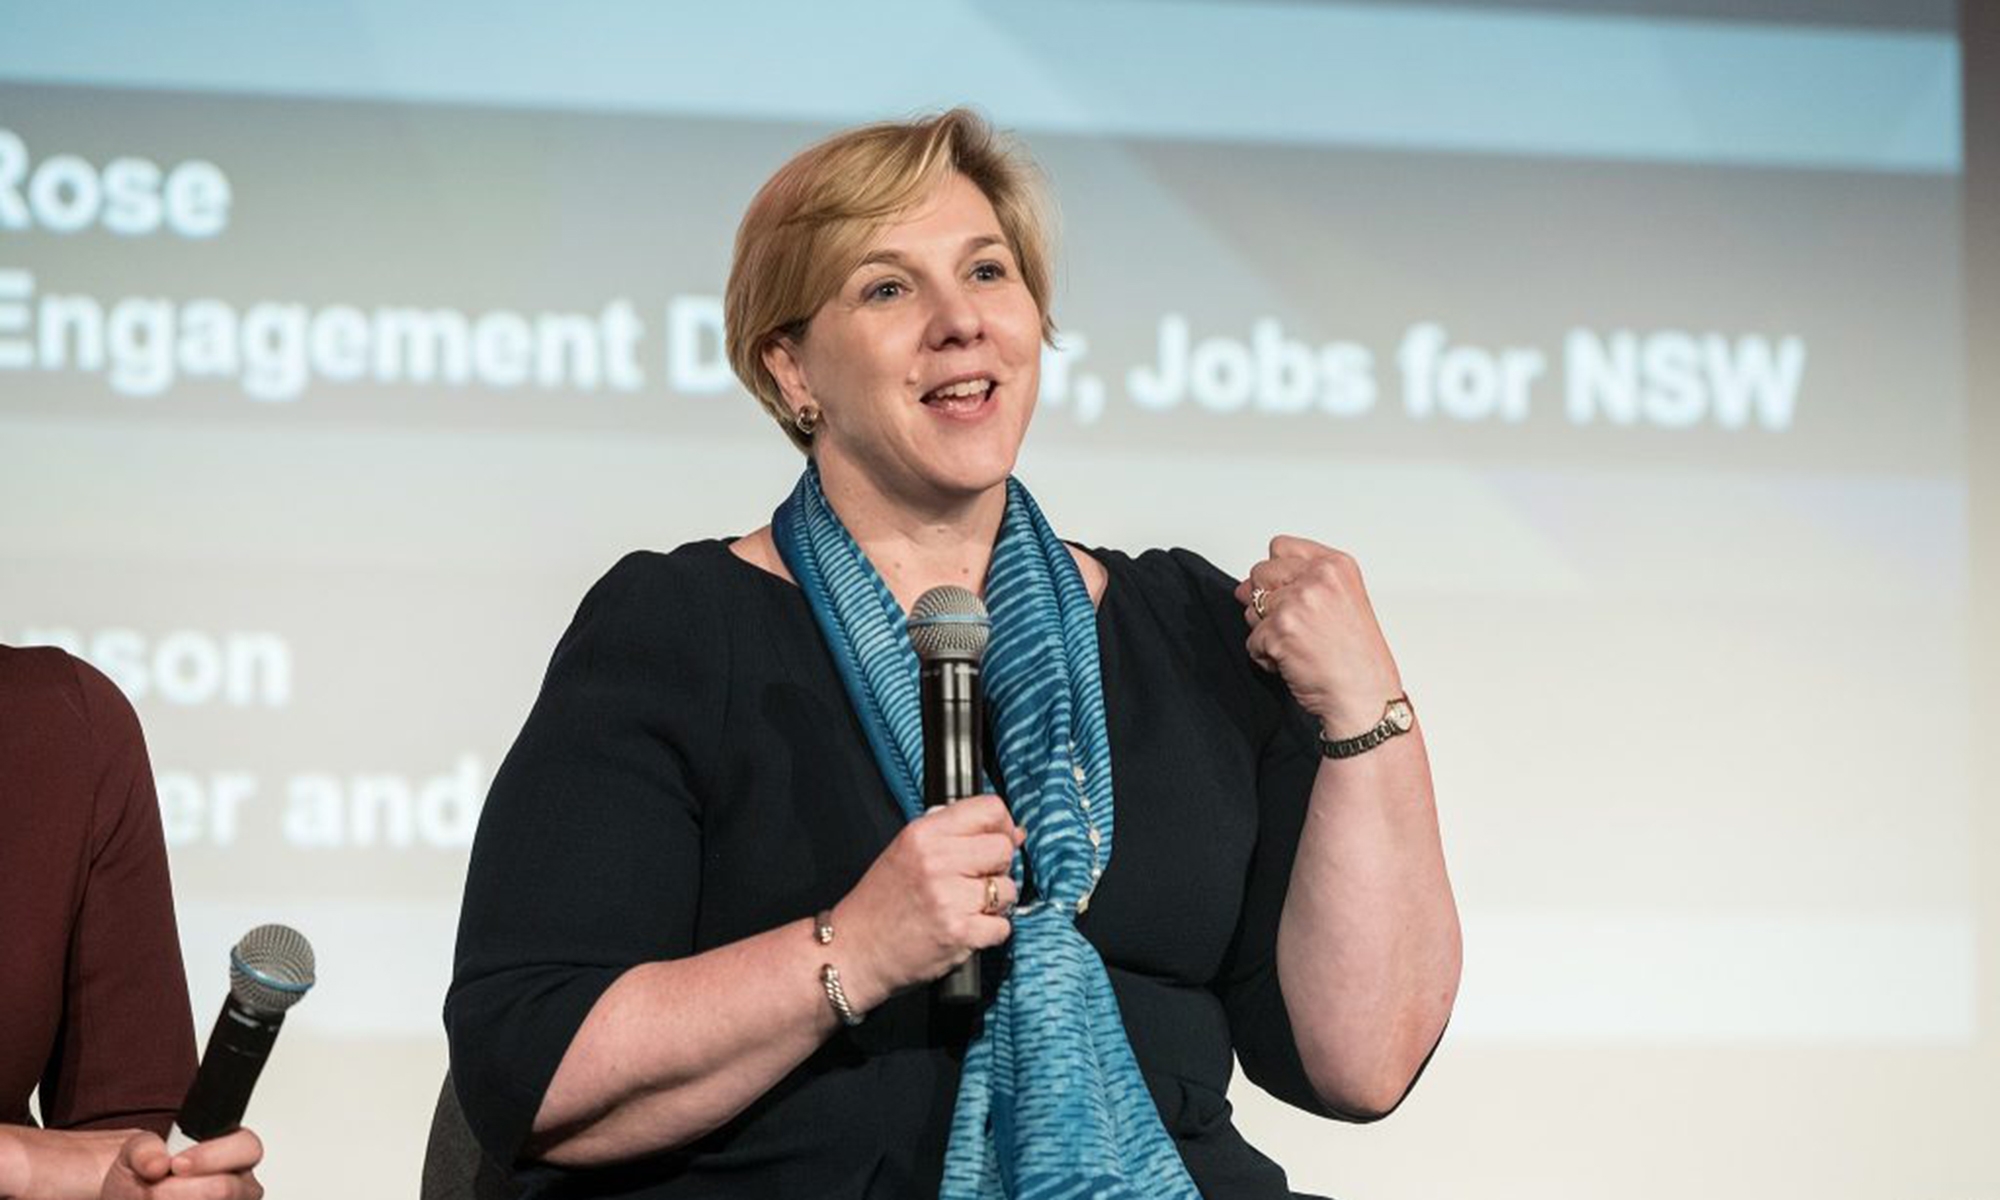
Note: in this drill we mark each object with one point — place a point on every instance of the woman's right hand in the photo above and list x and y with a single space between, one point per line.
919 910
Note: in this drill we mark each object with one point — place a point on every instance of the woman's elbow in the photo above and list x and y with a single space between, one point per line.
662 1122
1364 1089
1361 1101
569 1147
587 1146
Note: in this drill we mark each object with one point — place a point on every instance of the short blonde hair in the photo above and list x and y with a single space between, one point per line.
811 223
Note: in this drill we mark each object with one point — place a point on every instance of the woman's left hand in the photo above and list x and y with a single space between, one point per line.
1319 633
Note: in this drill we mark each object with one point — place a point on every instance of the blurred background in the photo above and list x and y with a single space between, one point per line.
1643 352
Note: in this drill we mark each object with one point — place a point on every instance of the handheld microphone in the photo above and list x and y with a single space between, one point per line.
270 970
948 627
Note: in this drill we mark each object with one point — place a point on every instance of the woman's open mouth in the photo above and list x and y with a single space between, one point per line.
961 399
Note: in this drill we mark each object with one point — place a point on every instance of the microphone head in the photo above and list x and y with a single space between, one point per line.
270 969
949 622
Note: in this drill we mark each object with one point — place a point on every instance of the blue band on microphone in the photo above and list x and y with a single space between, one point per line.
270 981
925 622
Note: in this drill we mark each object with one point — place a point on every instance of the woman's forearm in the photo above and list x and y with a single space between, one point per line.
56 1164
1368 944
13 1163
672 1050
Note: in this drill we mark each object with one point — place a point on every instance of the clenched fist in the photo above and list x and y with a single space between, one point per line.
1310 621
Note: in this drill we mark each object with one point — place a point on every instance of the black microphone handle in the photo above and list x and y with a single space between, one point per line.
237 1050
954 713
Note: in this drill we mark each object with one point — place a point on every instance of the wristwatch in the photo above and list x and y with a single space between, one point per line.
1397 719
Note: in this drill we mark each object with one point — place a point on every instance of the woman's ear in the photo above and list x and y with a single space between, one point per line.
781 359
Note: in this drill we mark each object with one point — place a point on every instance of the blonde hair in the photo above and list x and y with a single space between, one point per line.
812 222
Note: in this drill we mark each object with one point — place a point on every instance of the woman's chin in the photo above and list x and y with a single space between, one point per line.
947 462
970 482
961 474
949 477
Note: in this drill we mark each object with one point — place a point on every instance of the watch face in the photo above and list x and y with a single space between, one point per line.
1400 717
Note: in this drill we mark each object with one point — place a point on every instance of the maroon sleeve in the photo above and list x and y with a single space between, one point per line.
124 1049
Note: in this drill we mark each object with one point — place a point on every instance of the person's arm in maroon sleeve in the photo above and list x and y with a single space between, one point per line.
124 1056
123 1052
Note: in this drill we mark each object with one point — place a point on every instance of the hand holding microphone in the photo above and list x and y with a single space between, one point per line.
124 1164
208 1154
949 628
941 891
214 1170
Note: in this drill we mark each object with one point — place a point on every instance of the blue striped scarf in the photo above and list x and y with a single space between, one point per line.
1050 1103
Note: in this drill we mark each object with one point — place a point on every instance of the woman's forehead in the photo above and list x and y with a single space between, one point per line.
954 218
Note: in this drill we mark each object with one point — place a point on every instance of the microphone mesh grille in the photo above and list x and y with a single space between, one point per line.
948 622
270 969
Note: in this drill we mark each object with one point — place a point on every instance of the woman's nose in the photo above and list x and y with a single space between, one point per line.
954 320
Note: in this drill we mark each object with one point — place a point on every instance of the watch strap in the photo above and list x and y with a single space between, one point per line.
1361 743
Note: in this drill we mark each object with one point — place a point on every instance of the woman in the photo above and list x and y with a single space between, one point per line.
702 910
94 1016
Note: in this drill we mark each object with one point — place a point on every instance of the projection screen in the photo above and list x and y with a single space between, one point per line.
342 347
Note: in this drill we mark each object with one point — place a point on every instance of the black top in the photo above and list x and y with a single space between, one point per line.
692 774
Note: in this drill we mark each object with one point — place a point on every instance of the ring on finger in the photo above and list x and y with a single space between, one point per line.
1257 597
992 906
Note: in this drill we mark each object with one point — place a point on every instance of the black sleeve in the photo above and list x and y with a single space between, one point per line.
1260 1028
588 857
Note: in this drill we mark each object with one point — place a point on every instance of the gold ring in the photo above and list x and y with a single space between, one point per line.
1257 596
992 906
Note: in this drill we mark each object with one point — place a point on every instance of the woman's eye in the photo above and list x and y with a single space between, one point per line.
988 271
888 289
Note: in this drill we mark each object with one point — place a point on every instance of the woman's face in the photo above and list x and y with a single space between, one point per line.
925 364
